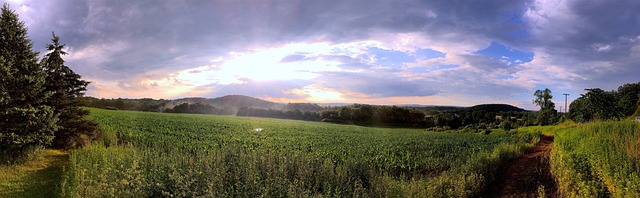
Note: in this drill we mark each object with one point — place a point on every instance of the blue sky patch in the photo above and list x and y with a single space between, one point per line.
505 77
396 59
391 58
499 51
428 54
430 69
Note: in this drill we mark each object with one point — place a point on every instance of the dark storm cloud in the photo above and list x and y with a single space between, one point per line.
592 26
596 43
156 32
597 40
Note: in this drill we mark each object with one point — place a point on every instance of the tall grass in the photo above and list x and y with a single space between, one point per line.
598 159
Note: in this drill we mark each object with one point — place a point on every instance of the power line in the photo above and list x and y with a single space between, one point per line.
565 102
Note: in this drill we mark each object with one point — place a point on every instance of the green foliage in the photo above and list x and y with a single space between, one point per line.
221 156
547 114
543 99
26 121
600 159
66 87
602 104
197 108
596 104
271 113
628 98
375 115
226 105
506 124
547 117
580 112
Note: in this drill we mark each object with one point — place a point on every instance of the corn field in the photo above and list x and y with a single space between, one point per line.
181 155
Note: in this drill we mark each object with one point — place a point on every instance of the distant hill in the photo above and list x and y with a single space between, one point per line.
434 108
233 102
496 108
229 103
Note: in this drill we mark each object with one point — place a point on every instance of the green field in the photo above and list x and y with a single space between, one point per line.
179 155
220 156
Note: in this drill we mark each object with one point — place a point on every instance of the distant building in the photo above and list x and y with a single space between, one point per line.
637 118
499 117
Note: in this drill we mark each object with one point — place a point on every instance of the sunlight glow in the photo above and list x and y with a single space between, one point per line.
318 94
268 64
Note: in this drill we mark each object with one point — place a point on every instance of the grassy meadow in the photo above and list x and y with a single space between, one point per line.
143 154
40 176
221 156
600 159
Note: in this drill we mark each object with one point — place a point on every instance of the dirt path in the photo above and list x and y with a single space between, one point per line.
37 178
529 175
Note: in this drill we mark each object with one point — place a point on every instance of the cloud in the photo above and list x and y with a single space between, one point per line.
592 41
362 50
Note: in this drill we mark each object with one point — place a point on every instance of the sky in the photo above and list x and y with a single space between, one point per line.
430 52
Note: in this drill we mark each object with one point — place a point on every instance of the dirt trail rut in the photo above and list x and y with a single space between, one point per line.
529 175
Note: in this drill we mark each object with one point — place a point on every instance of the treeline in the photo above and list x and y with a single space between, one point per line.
375 115
199 108
144 104
358 114
39 104
598 104
479 119
226 105
475 118
295 114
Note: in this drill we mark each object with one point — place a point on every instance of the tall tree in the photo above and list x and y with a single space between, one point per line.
628 98
26 122
602 104
543 99
596 104
580 112
66 88
547 113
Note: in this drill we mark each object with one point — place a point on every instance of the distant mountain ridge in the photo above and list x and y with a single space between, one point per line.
496 108
235 102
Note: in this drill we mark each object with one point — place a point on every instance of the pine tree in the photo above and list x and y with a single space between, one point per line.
26 123
66 88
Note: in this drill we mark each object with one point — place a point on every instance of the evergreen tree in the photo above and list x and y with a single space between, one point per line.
26 122
66 89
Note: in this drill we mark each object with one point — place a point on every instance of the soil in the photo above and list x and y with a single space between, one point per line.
530 175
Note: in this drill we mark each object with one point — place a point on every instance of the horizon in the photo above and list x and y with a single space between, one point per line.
370 52
321 103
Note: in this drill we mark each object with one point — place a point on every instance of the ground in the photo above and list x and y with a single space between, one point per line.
36 178
529 175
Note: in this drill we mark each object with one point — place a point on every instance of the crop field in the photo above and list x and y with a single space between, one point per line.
185 155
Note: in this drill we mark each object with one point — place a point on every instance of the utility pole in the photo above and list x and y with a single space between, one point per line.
565 102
